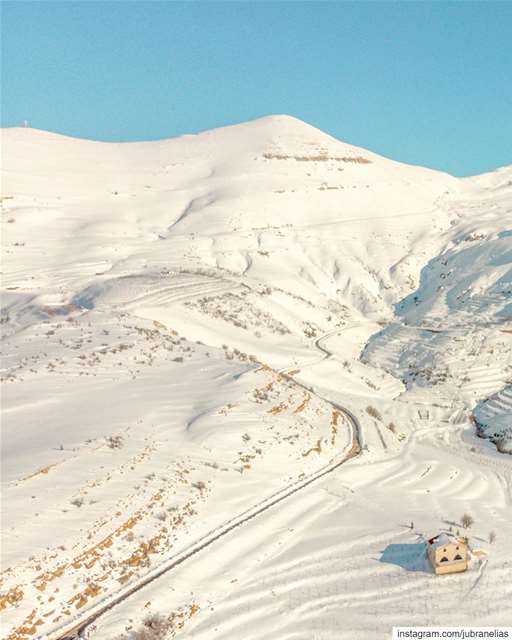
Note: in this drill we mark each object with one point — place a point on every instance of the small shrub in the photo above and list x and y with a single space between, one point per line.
154 627
114 442
77 502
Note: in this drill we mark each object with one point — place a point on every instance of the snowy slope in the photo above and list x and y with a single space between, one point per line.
239 199
494 418
178 319
451 336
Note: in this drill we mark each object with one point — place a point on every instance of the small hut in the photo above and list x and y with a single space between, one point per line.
447 553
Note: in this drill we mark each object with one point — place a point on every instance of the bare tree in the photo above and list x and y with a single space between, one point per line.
373 412
467 520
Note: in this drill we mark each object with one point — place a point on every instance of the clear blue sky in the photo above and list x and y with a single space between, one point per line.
423 82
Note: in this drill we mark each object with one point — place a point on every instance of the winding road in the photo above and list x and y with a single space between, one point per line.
75 628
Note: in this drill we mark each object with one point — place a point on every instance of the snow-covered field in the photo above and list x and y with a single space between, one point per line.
265 353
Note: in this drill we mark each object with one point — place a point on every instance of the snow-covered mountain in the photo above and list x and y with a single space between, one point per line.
184 322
